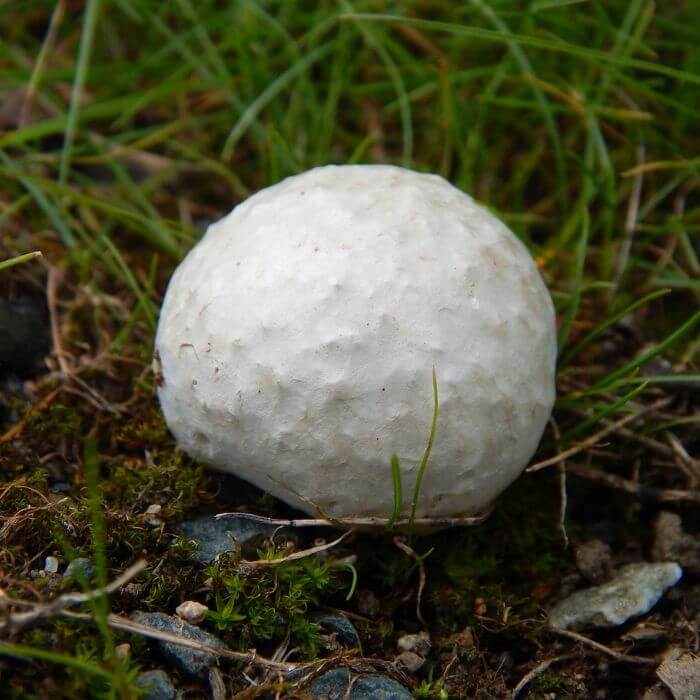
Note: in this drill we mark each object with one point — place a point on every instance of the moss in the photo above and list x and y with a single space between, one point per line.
163 477
267 603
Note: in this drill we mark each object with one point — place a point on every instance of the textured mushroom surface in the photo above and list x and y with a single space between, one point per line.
297 341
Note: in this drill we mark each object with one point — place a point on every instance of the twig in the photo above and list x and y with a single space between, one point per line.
589 442
643 660
18 427
401 544
327 520
688 465
295 555
252 657
92 396
368 521
633 487
216 683
60 605
563 500
51 288
537 671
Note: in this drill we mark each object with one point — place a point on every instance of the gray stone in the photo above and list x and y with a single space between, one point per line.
417 643
80 568
634 590
672 544
339 624
216 535
594 560
51 565
334 685
191 661
409 661
680 673
157 684
368 604
24 335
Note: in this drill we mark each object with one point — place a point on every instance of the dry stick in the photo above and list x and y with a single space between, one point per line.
645 440
563 500
327 520
66 373
60 605
93 397
123 623
633 487
537 671
251 657
421 576
18 427
362 521
217 685
642 660
295 555
51 289
688 465
589 442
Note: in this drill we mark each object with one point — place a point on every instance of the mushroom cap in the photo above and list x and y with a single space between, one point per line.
297 342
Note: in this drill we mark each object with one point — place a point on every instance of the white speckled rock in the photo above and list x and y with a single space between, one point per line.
634 591
297 342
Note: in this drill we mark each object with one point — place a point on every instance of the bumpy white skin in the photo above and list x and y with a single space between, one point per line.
297 342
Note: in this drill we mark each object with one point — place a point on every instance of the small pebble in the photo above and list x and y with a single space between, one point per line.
633 591
157 685
123 651
191 661
409 662
368 604
80 567
217 536
191 611
339 625
671 543
152 514
594 560
51 565
24 329
416 643
335 685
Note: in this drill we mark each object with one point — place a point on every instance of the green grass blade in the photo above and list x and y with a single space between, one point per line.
398 83
590 337
100 605
19 259
593 55
604 413
540 98
271 91
647 356
353 583
86 42
575 299
428 450
398 494
26 652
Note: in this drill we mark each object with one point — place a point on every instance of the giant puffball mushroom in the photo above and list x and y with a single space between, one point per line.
298 338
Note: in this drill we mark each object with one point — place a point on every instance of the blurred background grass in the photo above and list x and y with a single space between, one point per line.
126 126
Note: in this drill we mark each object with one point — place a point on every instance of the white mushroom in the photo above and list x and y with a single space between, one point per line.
297 342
